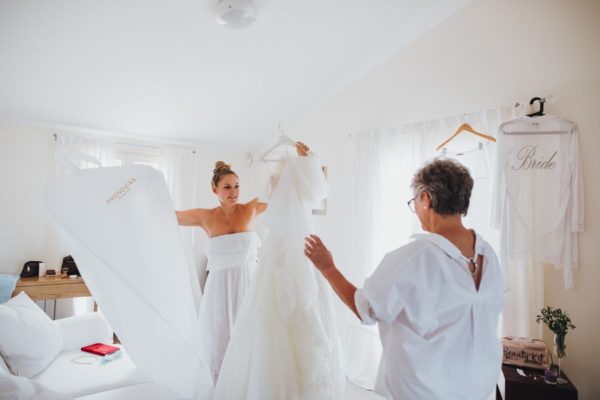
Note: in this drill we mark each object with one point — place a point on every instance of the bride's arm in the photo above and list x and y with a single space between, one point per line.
193 217
259 206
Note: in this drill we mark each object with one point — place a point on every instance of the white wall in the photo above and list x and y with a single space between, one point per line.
25 166
490 53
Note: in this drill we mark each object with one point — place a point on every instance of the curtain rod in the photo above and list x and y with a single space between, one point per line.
139 144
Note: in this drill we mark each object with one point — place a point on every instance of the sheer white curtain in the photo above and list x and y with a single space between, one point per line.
102 150
360 342
97 147
178 165
384 164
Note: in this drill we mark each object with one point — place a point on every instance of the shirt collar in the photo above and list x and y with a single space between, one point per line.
447 246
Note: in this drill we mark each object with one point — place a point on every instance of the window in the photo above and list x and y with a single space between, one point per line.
133 154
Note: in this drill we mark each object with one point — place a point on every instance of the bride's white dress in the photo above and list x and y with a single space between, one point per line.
284 344
231 263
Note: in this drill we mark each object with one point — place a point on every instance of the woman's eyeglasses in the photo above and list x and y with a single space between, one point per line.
411 204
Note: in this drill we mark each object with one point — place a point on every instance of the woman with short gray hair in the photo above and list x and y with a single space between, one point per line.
436 300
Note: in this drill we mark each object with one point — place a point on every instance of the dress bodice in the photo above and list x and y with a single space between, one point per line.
232 250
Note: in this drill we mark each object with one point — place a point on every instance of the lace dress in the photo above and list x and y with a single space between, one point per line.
231 264
285 344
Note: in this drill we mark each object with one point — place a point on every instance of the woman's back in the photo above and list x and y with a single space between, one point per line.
425 294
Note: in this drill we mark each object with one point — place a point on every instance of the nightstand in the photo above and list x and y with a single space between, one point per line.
533 386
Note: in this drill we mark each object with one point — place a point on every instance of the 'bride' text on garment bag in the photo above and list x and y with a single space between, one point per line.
121 228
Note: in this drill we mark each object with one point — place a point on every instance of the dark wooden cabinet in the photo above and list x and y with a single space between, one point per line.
532 386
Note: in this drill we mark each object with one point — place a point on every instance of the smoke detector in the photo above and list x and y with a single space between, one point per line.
236 14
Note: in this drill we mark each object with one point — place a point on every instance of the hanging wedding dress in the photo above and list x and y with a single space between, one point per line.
120 226
285 344
231 263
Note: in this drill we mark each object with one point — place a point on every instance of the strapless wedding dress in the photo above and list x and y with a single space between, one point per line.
284 344
231 263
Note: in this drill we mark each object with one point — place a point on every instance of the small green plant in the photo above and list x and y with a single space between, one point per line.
559 323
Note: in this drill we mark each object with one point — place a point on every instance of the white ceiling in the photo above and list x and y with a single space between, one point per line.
166 69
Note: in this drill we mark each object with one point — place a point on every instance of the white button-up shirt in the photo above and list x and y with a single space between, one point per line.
438 332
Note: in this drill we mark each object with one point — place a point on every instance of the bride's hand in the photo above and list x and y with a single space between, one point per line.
302 149
316 252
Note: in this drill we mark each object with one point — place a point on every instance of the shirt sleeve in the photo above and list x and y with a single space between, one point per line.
384 295
365 311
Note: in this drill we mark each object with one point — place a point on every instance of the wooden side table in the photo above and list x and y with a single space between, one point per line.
52 288
532 386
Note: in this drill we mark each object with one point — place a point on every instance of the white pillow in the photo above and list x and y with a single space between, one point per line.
83 330
29 339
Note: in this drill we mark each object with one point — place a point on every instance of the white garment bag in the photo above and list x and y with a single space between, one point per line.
120 226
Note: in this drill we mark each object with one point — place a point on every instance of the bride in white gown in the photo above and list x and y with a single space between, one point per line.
232 252
285 344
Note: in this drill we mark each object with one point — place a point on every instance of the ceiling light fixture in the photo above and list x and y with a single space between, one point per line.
236 14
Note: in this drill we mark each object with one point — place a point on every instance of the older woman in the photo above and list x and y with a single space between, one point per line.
436 299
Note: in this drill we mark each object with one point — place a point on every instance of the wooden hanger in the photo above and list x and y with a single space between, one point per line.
468 128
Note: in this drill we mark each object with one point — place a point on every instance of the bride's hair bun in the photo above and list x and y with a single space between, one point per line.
221 169
221 166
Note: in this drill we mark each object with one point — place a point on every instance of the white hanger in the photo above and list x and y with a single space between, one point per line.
284 140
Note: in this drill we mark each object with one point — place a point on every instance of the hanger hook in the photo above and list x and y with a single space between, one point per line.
280 128
533 100
541 100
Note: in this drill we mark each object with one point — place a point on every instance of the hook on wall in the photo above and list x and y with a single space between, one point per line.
539 113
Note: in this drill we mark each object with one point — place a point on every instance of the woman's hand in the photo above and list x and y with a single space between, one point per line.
320 256
302 149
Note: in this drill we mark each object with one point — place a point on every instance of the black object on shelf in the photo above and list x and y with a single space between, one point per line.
68 263
31 268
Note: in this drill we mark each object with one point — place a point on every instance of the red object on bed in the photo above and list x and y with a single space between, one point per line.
100 349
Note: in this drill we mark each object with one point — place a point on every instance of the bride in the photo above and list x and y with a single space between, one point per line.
284 344
232 251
